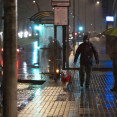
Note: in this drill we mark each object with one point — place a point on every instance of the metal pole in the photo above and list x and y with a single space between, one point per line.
9 59
38 48
73 18
64 46
67 47
1 21
35 1
85 14
38 7
78 20
94 15
78 14
55 52
74 42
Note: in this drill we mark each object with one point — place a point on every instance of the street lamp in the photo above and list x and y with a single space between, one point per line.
35 2
95 4
98 2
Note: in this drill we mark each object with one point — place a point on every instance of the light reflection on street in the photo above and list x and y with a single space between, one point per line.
25 59
30 57
17 68
24 67
25 70
110 99
109 96
2 62
37 92
35 53
108 64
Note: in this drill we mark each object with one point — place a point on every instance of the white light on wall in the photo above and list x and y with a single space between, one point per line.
30 35
1 33
38 27
20 34
25 34
109 18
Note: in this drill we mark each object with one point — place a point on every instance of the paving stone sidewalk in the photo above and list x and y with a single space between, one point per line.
53 101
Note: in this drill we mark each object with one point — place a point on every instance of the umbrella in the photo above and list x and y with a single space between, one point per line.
111 39
111 32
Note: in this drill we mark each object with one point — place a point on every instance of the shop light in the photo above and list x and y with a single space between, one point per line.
109 18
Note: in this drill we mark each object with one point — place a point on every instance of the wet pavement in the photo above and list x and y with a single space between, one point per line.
50 100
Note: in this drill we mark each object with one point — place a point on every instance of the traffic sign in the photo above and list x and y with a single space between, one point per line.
61 16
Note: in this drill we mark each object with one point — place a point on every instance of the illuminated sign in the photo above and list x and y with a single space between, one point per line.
109 18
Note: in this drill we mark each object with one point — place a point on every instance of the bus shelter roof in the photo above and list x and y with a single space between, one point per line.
43 17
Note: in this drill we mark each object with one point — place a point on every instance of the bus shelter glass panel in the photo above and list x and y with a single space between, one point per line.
47 48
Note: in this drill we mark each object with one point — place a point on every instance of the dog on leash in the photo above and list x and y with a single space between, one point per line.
66 79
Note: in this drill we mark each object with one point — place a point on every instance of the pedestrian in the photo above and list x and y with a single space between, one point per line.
86 50
113 56
73 44
51 54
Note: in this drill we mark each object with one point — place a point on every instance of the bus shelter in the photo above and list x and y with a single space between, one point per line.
50 50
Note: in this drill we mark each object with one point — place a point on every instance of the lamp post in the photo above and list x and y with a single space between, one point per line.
95 4
35 2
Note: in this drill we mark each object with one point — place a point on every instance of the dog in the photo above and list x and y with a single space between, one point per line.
66 79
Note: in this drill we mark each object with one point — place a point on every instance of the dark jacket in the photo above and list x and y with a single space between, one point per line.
51 50
86 50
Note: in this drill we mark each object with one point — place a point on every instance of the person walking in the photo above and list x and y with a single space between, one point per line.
86 50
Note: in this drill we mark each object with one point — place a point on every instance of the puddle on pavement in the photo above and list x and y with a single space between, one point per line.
25 94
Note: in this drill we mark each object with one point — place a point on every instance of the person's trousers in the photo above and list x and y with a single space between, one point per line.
85 69
115 71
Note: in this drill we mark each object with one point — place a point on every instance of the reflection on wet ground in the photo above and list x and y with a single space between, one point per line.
96 101
25 93
25 61
30 56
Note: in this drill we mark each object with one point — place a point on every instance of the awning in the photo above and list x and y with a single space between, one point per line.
43 17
